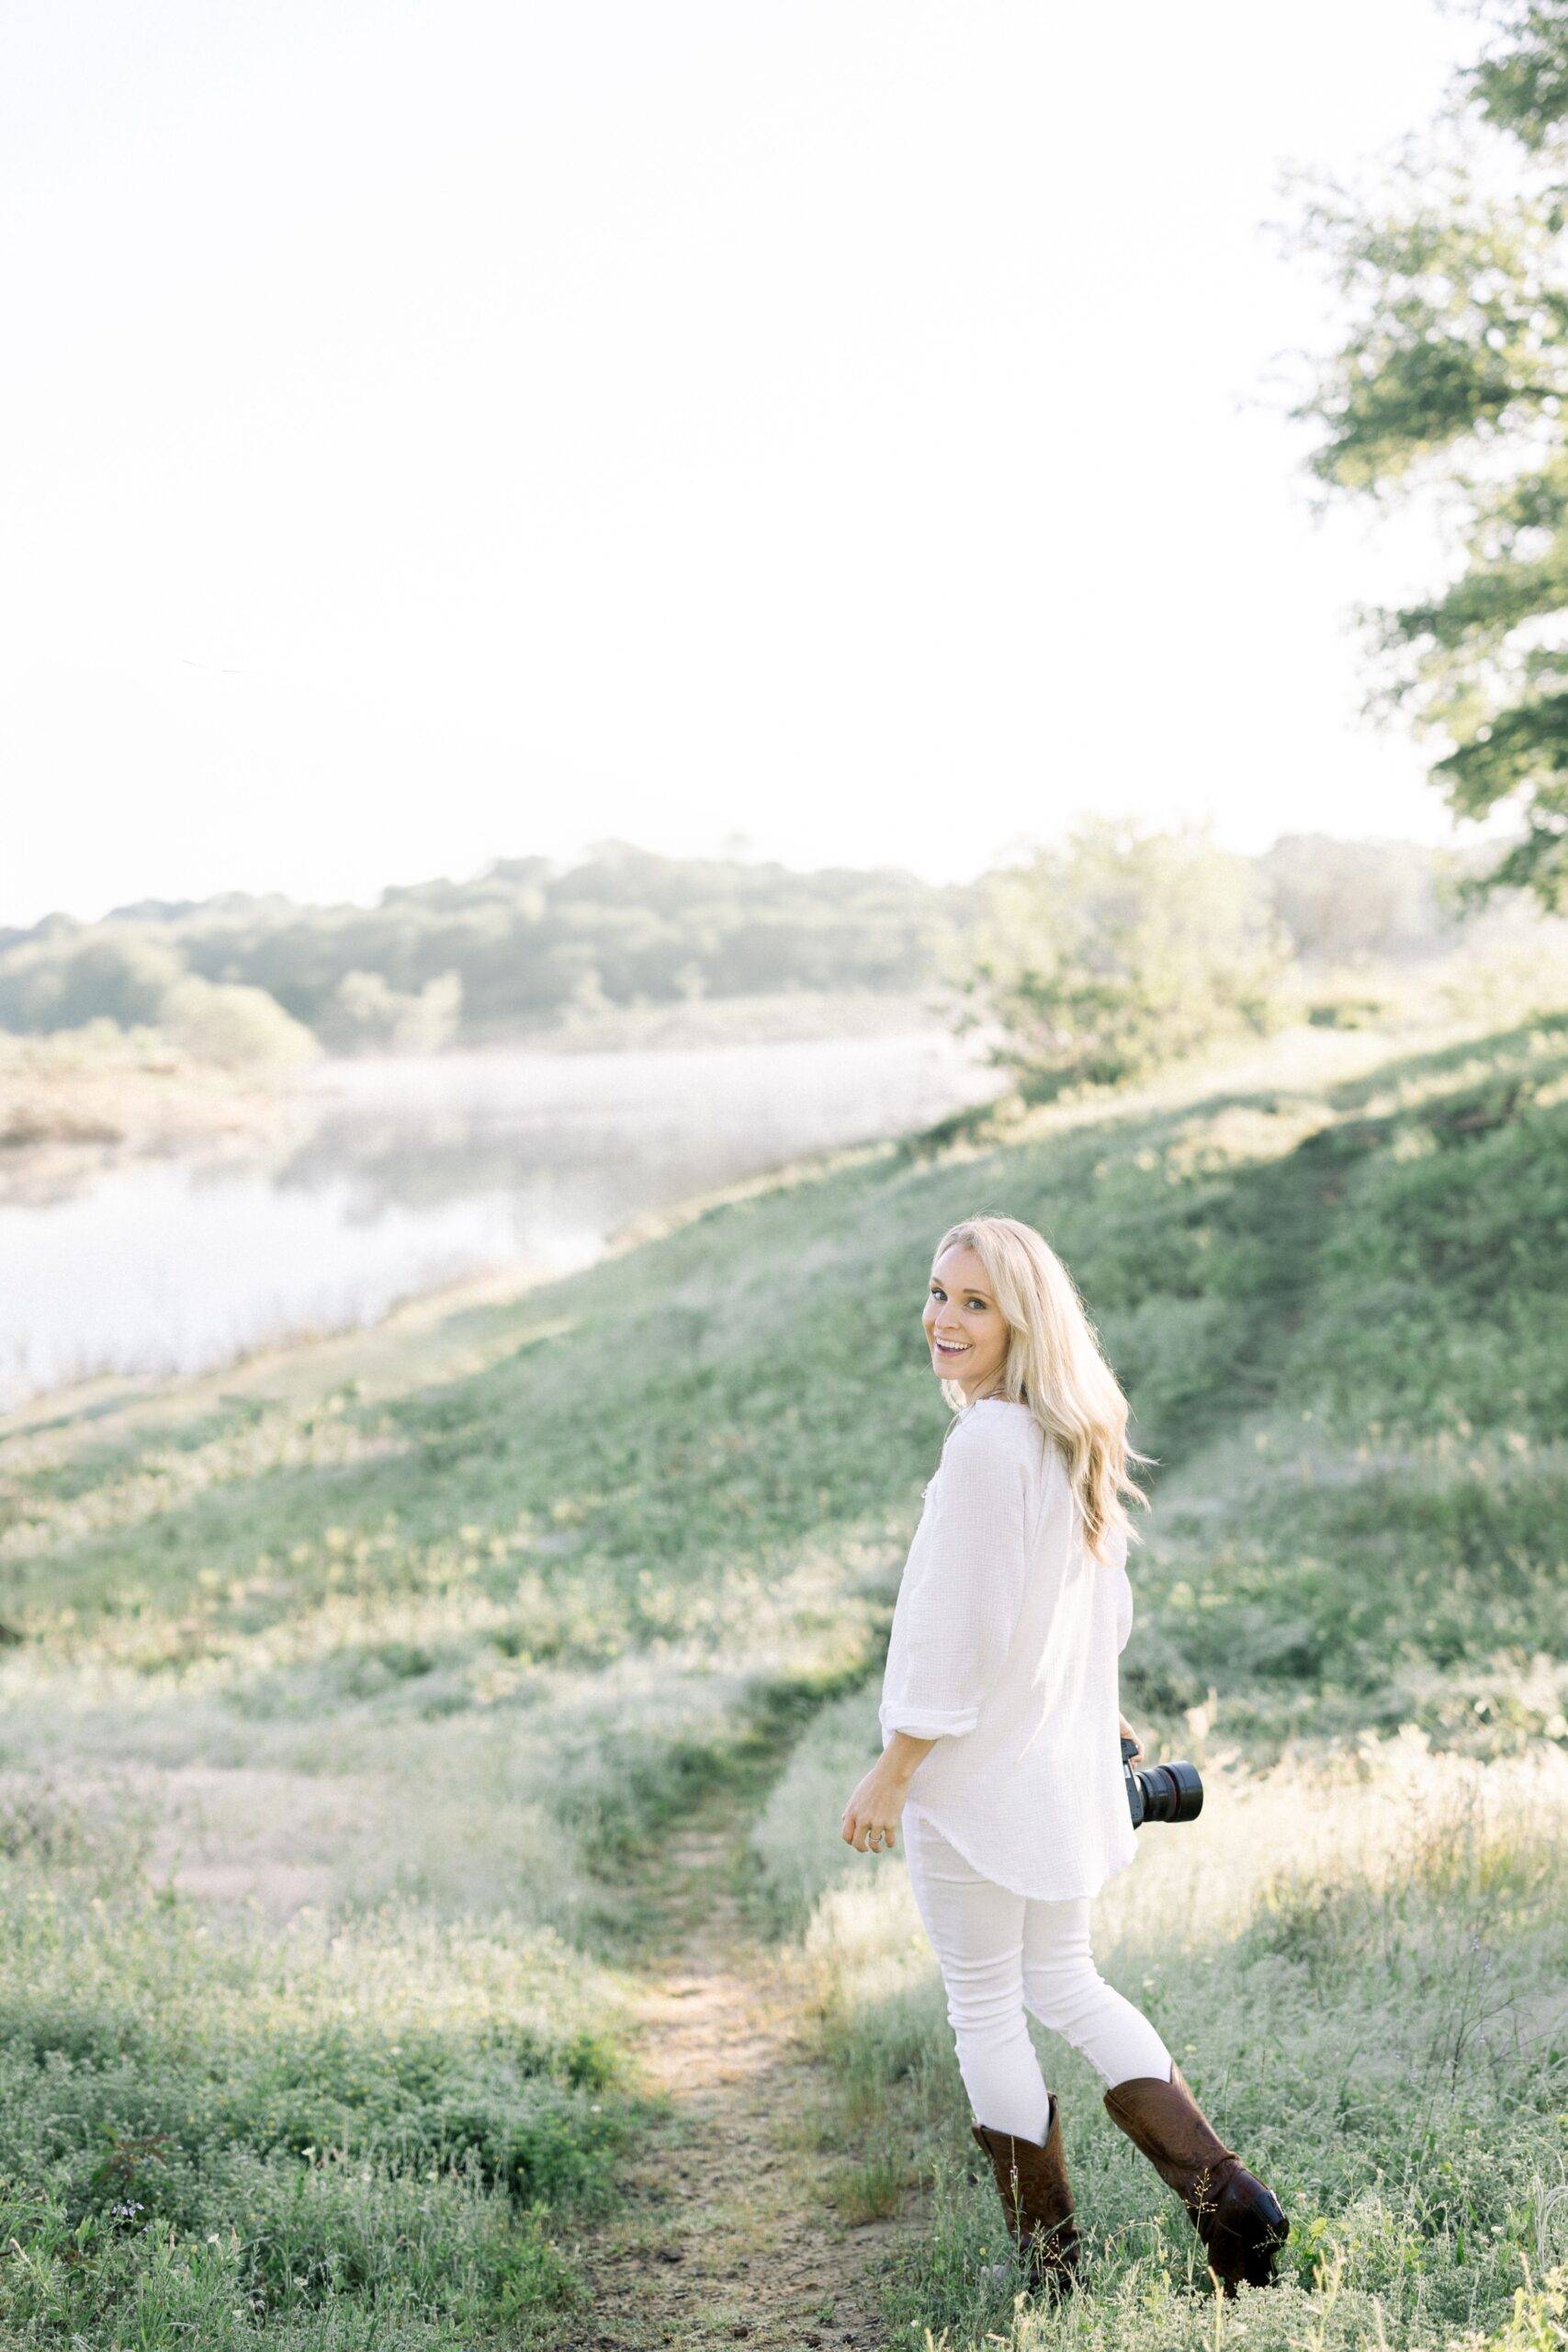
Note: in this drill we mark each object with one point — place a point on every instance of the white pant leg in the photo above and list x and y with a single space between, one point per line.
1000 1953
977 1931
1066 1991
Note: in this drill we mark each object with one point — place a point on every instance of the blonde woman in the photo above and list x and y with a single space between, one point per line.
1000 1727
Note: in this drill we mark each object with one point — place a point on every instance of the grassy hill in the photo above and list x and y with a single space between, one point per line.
329 1720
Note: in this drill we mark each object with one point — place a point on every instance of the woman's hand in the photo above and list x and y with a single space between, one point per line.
1128 1732
870 1817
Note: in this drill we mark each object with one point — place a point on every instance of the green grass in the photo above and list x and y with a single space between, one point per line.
451 1655
256 2132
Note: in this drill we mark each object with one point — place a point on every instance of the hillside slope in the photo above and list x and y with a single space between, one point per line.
411 1670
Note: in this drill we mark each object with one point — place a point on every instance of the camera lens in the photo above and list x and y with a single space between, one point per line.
1162 1791
1172 1792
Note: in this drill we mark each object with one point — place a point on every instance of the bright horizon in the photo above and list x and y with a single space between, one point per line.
852 436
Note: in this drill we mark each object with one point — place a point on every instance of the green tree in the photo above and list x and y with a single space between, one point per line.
234 1026
1453 375
1122 950
62 979
367 1016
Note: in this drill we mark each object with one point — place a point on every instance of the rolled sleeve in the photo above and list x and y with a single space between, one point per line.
961 1591
923 1723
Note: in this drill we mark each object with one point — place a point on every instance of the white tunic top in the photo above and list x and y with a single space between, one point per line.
1004 1649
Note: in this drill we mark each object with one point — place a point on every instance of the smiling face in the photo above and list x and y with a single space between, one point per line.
965 1329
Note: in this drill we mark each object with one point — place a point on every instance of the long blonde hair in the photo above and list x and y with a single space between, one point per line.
1056 1366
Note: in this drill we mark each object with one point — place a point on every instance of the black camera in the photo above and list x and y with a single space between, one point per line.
1163 1791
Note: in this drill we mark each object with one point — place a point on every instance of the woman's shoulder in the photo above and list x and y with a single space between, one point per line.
997 1428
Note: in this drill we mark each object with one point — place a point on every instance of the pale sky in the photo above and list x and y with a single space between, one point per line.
443 432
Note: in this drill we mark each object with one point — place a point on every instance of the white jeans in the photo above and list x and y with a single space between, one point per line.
1002 1954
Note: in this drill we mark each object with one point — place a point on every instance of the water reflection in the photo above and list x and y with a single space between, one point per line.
398 1175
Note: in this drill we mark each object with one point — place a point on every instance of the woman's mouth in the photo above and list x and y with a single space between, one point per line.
953 1347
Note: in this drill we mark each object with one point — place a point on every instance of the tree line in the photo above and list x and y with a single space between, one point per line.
1120 943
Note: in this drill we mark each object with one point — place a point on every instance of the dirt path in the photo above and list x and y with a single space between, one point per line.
727 2233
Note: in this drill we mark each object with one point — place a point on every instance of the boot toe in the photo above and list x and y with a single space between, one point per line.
1247 2229
1269 2229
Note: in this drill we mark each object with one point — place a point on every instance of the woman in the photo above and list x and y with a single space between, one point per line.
999 1718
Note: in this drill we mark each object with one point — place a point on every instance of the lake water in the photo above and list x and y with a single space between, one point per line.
398 1175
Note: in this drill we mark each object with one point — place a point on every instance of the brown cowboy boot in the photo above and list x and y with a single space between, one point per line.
1239 2221
1032 2181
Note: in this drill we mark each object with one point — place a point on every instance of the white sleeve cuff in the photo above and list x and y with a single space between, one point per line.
923 1723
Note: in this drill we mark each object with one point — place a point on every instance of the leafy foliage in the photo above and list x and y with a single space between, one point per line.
1455 371
1125 949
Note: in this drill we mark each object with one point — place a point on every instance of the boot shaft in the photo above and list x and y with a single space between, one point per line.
1238 2219
1037 2197
1166 2124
